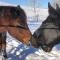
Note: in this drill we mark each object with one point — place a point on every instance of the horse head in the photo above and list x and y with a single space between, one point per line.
48 34
14 21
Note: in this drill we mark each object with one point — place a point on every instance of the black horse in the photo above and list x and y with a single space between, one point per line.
48 34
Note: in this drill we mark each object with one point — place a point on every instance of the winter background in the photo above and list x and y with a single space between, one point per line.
18 51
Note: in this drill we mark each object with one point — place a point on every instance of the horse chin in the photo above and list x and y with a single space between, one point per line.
46 49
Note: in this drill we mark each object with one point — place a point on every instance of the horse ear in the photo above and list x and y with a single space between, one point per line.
18 6
57 7
51 10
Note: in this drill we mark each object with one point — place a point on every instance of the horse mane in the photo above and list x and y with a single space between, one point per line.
15 12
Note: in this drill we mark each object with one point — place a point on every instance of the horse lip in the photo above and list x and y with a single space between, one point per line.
29 43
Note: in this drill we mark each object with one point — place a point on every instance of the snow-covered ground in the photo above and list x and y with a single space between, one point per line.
18 51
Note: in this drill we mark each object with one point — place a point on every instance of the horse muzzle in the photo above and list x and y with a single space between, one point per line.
46 48
33 42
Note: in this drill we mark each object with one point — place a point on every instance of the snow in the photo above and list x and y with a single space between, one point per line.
18 51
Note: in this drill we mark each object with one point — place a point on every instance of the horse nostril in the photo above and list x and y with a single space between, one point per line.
44 46
29 44
48 49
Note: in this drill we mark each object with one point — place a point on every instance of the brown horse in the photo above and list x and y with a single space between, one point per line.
14 21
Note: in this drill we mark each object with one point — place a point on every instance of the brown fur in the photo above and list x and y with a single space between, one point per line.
14 21
14 16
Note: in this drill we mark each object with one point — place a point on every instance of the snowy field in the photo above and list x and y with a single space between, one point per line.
18 51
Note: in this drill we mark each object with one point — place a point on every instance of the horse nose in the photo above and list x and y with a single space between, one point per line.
33 42
28 44
46 48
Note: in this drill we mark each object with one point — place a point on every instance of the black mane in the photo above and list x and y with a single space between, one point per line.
15 12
